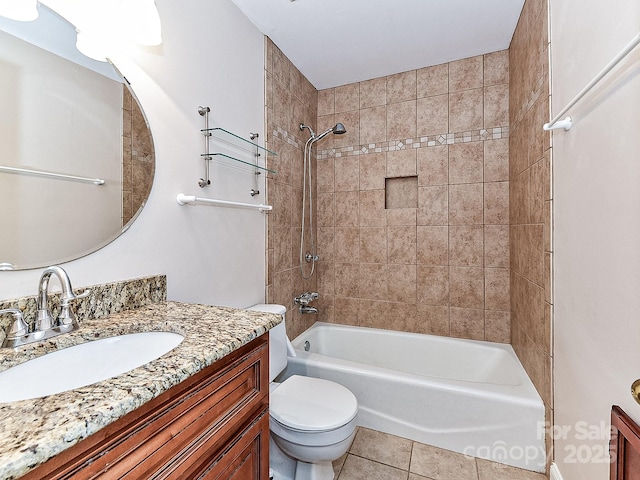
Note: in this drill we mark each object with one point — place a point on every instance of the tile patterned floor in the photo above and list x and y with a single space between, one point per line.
378 456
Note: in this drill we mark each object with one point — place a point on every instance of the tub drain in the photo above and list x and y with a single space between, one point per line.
307 346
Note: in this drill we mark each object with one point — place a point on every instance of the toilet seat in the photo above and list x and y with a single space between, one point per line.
307 404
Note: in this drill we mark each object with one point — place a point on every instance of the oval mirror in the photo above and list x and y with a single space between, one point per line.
76 154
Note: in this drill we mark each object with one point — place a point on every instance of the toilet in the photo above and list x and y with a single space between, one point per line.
312 421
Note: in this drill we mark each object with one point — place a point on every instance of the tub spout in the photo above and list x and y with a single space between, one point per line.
308 309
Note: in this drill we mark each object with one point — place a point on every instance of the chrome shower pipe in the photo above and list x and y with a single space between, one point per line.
311 257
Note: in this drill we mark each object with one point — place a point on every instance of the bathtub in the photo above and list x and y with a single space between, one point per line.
468 396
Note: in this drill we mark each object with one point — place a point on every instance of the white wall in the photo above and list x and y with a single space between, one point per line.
211 55
596 168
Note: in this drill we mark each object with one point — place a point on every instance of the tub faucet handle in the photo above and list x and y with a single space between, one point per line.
306 298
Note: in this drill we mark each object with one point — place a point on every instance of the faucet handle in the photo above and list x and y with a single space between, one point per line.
19 328
67 317
65 299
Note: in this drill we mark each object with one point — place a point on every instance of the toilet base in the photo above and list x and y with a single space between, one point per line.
314 471
286 468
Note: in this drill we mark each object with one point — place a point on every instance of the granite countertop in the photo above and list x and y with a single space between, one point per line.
35 430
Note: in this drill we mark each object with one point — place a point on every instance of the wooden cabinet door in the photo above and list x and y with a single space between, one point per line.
624 446
248 458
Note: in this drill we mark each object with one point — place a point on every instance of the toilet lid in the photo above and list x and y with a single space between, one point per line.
312 404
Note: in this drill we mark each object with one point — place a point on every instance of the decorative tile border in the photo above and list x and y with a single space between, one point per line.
394 145
419 142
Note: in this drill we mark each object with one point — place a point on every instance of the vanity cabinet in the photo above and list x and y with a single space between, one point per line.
213 425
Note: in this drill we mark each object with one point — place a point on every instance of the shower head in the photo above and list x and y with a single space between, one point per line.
337 129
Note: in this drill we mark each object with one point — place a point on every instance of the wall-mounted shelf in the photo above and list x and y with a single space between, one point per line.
245 143
236 142
204 155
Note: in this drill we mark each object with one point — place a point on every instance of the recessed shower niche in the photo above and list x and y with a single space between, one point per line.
401 192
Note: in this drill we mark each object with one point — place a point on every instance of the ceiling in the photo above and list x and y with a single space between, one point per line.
336 42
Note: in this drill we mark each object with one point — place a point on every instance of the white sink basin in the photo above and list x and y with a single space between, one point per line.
83 364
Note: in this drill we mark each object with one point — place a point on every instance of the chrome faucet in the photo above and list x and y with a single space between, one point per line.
304 300
44 318
44 325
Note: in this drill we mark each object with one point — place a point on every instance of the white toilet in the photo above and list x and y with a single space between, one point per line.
312 421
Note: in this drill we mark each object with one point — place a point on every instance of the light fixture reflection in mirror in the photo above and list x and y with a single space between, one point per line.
21 10
108 26
65 118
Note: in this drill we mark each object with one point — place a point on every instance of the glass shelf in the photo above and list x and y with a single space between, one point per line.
204 155
248 142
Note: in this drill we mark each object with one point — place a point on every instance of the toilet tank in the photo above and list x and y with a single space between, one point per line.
277 339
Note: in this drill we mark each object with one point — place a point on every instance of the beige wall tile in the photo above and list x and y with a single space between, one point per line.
281 248
496 106
496 203
326 278
281 65
373 313
466 204
346 310
432 115
432 80
496 288
372 208
372 171
466 162
326 102
325 243
433 245
401 120
466 74
496 160
401 163
347 209
326 209
433 205
347 98
347 279
496 246
373 92
467 323
466 110
373 125
496 68
347 174
433 285
466 287
401 245
497 326
434 319
325 179
373 281
404 316
373 245
401 216
347 244
433 165
402 283
466 245
401 87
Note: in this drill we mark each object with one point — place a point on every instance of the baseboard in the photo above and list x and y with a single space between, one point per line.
554 472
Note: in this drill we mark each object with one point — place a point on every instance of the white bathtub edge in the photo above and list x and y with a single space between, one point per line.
555 472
